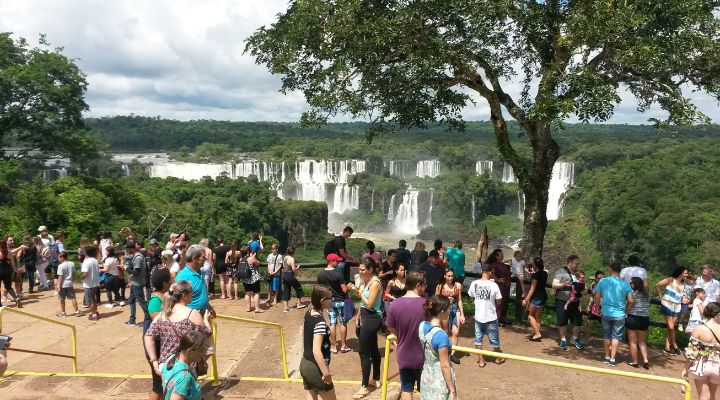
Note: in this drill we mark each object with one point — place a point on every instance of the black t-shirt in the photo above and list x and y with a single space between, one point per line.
402 255
418 257
339 245
387 267
433 276
156 257
334 280
541 277
220 253
315 324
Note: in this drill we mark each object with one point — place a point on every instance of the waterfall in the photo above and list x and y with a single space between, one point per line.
472 209
406 220
428 221
372 201
391 209
508 174
484 167
521 204
125 170
346 198
313 177
428 168
189 171
563 174
397 168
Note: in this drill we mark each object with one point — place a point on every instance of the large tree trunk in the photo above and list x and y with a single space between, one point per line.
533 177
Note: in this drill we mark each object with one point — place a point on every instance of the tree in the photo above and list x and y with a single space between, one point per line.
41 102
406 63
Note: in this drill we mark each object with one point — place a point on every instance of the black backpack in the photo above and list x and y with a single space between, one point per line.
244 271
330 247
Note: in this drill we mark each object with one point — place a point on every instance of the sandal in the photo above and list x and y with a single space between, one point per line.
346 350
634 365
499 361
301 306
259 311
482 364
61 314
333 350
223 297
535 339
361 394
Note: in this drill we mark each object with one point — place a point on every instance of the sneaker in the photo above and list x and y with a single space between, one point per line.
579 345
108 305
129 323
78 313
563 345
85 306
61 314
573 340
122 303
612 363
606 360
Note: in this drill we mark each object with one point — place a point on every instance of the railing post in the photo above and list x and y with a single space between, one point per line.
386 366
74 350
216 379
284 355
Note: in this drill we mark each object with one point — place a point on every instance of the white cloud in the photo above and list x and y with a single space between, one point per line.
184 59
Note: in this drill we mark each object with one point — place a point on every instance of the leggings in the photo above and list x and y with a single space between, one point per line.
6 276
370 325
291 282
31 270
112 287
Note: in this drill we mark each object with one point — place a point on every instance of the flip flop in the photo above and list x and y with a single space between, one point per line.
334 350
361 394
482 365
346 350
259 311
499 361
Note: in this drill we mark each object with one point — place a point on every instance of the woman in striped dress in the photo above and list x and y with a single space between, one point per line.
673 298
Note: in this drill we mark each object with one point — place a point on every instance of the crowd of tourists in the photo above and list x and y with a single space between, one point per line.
416 295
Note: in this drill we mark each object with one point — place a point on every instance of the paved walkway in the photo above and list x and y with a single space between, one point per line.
248 350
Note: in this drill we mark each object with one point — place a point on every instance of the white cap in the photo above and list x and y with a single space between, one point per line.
42 228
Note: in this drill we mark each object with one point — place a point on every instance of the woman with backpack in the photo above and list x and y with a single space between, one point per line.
249 273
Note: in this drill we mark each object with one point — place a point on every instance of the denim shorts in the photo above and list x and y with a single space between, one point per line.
613 328
536 302
491 329
206 271
335 312
275 283
454 311
409 379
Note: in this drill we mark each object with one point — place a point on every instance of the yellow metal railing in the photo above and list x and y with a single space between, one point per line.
487 353
216 378
52 321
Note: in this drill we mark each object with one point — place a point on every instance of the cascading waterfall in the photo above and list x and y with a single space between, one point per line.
484 167
398 168
391 209
508 175
472 209
428 168
407 218
428 221
271 172
521 204
125 170
190 171
372 201
563 174
313 177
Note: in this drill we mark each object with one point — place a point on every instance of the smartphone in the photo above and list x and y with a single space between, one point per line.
3 341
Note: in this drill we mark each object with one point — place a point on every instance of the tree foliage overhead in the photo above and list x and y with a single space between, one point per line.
41 101
411 63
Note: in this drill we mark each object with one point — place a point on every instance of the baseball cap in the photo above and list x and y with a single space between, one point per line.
153 241
42 228
333 257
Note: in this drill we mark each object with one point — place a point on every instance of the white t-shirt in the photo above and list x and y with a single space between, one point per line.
274 261
712 289
104 244
91 266
66 270
111 266
485 294
47 241
175 268
695 313
632 271
518 267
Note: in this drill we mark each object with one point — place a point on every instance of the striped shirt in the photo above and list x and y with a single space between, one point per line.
641 305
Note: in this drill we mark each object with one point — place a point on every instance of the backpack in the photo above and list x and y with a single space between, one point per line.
54 252
243 270
330 247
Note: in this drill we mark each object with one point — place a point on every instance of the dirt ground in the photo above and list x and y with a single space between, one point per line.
109 346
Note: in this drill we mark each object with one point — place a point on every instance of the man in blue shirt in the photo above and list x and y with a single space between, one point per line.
615 297
195 256
456 261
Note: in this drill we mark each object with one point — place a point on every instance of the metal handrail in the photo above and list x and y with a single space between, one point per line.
216 379
52 321
561 364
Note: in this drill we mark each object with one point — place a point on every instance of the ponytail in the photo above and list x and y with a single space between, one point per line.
177 291
435 306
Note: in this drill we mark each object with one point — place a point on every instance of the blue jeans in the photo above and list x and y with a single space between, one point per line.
491 329
613 328
137 293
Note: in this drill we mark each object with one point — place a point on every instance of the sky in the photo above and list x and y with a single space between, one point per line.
184 59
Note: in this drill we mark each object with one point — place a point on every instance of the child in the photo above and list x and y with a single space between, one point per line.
688 287
65 272
697 310
517 269
487 296
578 287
